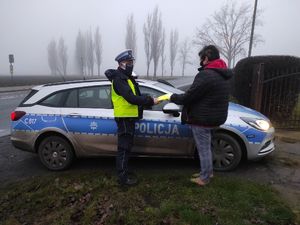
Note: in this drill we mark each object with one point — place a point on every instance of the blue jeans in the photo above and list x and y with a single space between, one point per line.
202 137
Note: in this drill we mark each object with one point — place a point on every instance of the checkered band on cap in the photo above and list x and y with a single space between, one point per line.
125 55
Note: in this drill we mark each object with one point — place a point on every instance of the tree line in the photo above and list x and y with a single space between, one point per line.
228 28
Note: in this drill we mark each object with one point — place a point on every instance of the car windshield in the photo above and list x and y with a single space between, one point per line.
168 88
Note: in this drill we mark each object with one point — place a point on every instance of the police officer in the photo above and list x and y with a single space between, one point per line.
128 108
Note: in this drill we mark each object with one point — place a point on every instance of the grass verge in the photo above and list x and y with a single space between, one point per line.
164 198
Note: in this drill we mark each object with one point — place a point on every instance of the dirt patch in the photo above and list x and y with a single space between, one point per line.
286 165
281 170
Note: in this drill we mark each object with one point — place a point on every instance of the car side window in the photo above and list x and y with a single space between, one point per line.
154 94
55 100
72 99
95 97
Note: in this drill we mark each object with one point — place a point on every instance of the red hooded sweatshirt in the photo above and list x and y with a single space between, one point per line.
217 64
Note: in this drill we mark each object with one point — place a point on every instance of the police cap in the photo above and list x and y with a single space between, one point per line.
125 55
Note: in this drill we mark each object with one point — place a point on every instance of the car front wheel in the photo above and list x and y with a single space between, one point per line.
227 152
55 153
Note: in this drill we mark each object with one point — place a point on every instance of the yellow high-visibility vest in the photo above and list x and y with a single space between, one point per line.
122 108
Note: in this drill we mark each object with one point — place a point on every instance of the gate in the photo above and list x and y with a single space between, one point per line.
276 94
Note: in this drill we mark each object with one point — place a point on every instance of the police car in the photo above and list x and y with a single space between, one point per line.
61 121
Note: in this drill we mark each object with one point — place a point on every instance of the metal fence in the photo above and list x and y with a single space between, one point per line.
277 95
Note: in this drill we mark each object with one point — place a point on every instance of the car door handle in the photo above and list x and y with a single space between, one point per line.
74 115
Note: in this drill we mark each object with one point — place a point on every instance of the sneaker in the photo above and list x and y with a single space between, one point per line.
196 175
199 182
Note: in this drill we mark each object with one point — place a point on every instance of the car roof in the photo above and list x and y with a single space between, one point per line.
69 84
82 83
46 89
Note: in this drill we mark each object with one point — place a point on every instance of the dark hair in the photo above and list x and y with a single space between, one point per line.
210 51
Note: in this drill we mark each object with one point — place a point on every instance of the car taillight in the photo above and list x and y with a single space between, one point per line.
16 115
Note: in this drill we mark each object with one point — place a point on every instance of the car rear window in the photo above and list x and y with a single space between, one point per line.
31 93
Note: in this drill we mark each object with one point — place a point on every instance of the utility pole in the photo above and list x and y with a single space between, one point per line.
252 29
11 64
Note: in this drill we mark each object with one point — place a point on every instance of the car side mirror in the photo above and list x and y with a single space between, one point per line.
171 108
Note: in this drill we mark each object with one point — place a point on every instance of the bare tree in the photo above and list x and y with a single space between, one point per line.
81 53
52 57
184 54
90 52
156 36
147 39
162 53
130 42
173 48
62 56
229 29
98 49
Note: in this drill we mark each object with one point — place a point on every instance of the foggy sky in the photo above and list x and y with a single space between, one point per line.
27 27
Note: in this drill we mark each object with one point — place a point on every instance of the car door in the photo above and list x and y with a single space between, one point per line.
159 133
88 115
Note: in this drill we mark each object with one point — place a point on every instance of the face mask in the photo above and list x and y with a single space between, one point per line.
128 68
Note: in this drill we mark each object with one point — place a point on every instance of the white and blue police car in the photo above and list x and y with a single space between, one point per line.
61 121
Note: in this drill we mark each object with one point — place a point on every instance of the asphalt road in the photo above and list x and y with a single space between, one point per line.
8 102
16 165
21 80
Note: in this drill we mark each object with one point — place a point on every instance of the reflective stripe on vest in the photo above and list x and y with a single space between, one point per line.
122 108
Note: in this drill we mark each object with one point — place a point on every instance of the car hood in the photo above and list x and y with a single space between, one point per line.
240 111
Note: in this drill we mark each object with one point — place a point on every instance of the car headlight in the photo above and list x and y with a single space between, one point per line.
259 124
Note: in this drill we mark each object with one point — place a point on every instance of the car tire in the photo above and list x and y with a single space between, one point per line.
227 152
55 153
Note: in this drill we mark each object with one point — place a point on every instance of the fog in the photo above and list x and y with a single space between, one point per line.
27 27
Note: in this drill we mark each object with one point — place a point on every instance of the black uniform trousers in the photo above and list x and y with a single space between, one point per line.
126 127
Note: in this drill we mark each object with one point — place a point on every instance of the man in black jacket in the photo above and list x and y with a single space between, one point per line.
128 108
206 106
